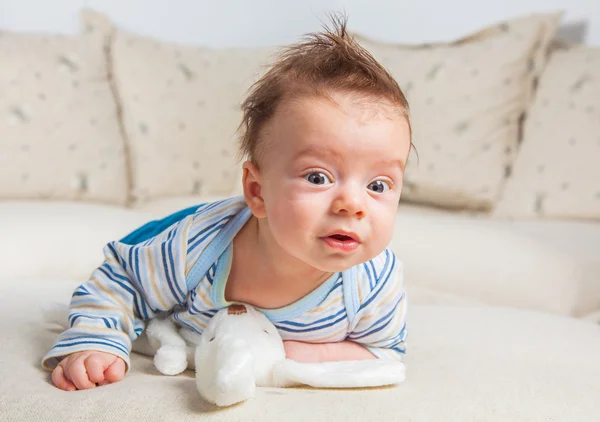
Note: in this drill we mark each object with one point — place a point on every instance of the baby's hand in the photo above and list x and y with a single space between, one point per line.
83 370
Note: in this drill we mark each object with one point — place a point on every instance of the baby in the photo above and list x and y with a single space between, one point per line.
327 135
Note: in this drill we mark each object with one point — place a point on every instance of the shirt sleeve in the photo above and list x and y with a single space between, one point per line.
380 321
108 311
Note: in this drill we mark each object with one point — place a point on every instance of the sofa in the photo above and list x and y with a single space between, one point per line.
498 227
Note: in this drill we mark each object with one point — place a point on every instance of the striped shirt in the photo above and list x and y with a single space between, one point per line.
180 265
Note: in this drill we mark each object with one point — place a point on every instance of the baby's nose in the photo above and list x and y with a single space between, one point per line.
350 204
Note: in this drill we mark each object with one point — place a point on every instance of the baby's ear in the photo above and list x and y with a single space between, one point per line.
252 184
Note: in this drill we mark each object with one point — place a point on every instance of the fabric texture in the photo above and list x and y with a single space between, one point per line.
556 173
35 237
548 266
159 274
59 131
521 378
467 99
181 112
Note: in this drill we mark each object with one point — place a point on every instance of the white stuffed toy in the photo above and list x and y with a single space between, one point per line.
241 349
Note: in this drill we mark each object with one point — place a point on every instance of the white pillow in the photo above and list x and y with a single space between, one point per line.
181 111
557 171
59 131
466 102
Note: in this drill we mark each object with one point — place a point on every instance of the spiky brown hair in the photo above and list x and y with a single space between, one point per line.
323 62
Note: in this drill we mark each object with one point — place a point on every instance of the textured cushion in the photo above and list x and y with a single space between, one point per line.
181 111
537 265
475 364
59 132
557 172
59 239
466 101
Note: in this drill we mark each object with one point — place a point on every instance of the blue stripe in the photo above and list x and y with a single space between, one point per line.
73 318
199 242
384 321
397 339
114 274
390 313
208 227
132 291
306 330
146 315
166 267
77 343
173 273
374 270
368 271
210 277
336 286
195 311
364 305
208 206
131 260
126 288
299 324
370 332
117 256
182 322
387 263
137 263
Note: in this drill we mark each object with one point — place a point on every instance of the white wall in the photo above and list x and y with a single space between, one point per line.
264 22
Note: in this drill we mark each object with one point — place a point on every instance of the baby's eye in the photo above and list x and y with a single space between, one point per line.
318 179
379 186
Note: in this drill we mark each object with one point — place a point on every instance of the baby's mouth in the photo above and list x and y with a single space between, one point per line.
346 242
341 237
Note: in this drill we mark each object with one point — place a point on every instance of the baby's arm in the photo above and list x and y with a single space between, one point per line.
380 321
325 352
108 311
378 330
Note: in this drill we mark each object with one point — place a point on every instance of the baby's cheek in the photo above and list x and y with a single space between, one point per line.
291 219
383 225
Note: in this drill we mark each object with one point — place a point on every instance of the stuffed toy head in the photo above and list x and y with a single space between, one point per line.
240 349
236 353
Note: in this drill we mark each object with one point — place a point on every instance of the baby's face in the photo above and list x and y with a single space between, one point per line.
331 178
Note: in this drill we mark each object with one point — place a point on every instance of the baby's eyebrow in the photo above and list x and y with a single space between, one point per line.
319 151
326 152
394 162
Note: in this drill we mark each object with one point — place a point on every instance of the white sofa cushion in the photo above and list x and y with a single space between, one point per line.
557 171
539 265
59 132
181 112
476 364
466 101
59 239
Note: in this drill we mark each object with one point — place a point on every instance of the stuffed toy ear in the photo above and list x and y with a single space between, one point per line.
344 374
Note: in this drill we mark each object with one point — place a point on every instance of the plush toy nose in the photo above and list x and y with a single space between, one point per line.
237 310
